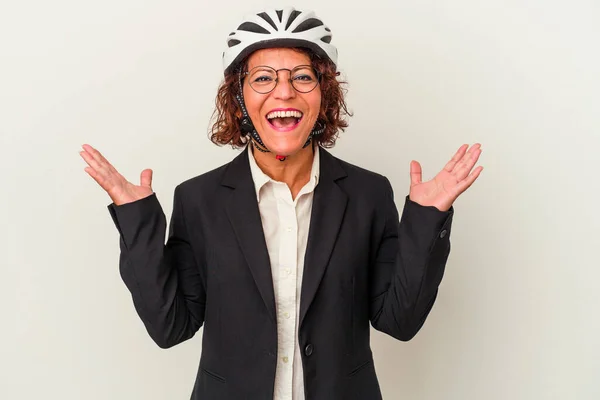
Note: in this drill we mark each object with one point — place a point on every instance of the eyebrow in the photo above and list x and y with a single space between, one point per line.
268 66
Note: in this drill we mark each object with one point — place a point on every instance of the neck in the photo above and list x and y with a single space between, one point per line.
294 171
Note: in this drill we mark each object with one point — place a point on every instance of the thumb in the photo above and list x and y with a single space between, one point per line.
146 178
415 173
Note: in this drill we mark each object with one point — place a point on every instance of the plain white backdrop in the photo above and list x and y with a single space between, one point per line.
517 314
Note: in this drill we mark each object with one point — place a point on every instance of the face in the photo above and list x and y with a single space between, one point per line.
283 134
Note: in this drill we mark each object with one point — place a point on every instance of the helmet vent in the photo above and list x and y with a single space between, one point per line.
308 24
266 17
326 39
279 15
233 42
252 27
291 18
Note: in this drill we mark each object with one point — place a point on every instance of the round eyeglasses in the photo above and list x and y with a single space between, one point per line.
263 79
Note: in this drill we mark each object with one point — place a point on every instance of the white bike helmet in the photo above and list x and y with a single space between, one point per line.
278 28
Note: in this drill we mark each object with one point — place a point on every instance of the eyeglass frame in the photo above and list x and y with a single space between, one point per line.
319 76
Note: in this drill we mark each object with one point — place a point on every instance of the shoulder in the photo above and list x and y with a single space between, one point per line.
362 180
208 179
209 182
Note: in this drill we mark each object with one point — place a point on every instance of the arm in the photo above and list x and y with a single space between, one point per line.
408 266
164 280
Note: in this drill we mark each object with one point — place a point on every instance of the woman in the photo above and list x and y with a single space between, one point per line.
286 254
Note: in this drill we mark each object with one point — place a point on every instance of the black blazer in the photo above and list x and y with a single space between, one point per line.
362 266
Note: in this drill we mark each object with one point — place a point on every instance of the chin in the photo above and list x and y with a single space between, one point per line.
284 145
286 149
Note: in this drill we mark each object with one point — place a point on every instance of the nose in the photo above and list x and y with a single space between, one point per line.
284 89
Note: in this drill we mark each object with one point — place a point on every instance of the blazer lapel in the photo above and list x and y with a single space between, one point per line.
329 206
244 215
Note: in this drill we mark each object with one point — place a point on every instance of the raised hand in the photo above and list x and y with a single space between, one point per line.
119 189
449 183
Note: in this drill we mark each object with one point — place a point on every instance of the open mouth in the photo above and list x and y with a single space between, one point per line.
284 121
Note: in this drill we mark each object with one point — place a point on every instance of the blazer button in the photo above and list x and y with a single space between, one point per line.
443 233
308 350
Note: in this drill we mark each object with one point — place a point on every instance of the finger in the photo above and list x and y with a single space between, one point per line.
90 160
104 177
96 174
458 166
468 181
98 178
466 165
92 172
100 159
466 156
415 173
146 178
456 158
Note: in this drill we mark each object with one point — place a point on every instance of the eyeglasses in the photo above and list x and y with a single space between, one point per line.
263 79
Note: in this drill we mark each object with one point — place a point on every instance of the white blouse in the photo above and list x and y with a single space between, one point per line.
285 224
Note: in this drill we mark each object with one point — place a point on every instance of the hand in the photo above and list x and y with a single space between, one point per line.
449 183
118 188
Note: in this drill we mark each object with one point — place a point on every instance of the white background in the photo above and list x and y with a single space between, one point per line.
517 315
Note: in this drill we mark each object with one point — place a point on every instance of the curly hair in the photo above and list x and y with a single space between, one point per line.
227 113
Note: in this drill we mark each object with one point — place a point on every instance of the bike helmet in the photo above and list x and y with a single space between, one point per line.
278 28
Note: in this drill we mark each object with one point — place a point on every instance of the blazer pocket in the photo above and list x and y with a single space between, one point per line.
212 375
360 367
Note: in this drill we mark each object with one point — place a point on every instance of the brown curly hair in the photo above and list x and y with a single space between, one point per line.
227 113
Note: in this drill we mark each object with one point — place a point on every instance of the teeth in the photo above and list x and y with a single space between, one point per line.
284 114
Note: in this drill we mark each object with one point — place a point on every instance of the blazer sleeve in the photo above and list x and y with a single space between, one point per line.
164 279
409 265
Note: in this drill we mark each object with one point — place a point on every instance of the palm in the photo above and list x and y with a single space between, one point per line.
449 183
131 191
119 189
